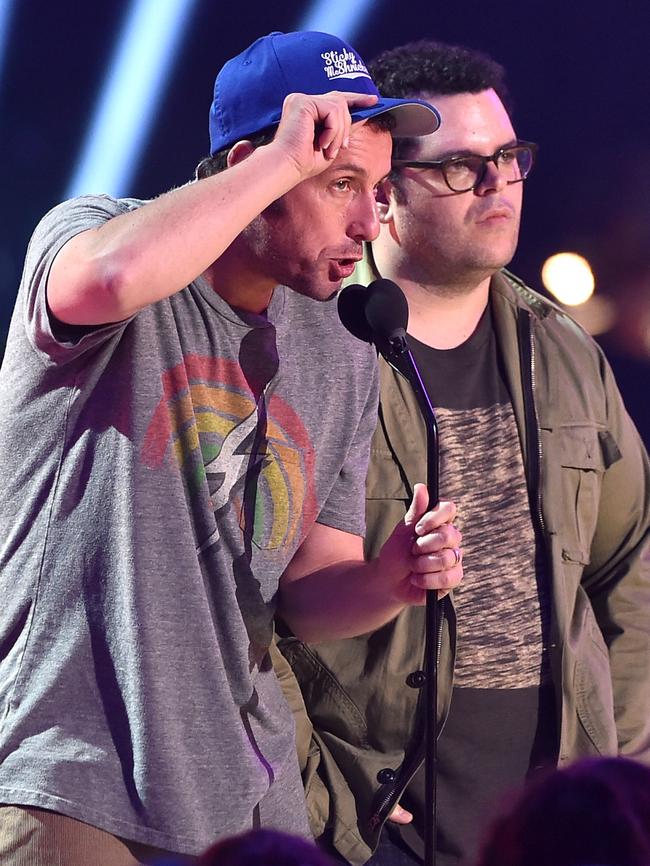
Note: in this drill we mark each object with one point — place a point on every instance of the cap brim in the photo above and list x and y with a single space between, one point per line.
413 117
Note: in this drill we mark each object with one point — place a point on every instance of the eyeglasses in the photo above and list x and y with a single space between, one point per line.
463 173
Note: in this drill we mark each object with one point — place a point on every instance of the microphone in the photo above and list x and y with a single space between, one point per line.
387 313
378 314
352 312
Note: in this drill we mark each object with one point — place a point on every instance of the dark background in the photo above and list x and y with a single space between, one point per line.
579 74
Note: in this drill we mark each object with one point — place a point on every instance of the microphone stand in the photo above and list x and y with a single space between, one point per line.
401 353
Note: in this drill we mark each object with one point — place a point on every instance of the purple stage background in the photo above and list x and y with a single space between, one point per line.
579 74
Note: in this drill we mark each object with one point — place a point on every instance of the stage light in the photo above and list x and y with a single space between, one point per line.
134 86
569 278
341 17
6 10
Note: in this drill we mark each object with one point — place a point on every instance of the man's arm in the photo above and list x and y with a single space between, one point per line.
108 273
618 577
328 591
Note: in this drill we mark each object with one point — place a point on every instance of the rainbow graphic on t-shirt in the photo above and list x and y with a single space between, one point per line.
234 450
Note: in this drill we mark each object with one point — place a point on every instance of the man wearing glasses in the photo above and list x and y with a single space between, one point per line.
544 651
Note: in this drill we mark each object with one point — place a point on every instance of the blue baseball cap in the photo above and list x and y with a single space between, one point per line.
250 89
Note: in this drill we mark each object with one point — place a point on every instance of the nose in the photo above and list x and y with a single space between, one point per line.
492 181
363 222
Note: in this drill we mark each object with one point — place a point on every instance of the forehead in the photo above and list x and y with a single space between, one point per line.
367 154
476 122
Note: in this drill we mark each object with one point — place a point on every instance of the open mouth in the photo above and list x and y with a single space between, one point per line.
345 266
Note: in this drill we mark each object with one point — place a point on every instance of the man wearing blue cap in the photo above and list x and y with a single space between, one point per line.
185 446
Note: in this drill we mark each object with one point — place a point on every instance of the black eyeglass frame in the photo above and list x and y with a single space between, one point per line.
442 164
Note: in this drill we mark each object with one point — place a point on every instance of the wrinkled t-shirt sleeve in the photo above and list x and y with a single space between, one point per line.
53 341
346 505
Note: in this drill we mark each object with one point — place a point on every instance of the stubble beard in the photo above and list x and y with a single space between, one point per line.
453 279
461 275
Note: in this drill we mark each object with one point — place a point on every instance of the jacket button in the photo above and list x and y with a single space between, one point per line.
385 776
416 679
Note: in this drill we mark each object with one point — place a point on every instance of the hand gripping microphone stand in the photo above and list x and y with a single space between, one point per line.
379 315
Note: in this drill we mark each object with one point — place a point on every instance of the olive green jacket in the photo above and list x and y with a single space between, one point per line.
588 480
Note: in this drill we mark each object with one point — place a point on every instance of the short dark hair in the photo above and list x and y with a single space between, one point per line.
210 165
427 68
219 160
434 67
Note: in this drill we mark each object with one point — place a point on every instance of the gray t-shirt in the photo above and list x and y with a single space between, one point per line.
158 475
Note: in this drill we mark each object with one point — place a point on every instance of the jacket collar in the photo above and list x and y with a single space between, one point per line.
508 286
510 299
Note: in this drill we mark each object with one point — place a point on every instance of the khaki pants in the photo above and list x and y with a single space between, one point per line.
37 837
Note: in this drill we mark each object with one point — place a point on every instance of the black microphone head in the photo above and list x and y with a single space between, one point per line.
352 312
386 310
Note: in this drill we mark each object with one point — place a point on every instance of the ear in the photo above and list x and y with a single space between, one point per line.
239 151
385 198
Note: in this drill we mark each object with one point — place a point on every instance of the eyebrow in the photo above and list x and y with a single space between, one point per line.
449 154
350 168
355 168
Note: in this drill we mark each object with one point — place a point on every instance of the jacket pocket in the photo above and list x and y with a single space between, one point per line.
330 708
580 448
593 685
387 499
581 465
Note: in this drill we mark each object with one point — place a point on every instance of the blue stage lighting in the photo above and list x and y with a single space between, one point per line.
6 9
341 17
132 90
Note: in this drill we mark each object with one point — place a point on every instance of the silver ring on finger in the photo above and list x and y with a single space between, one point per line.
457 556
